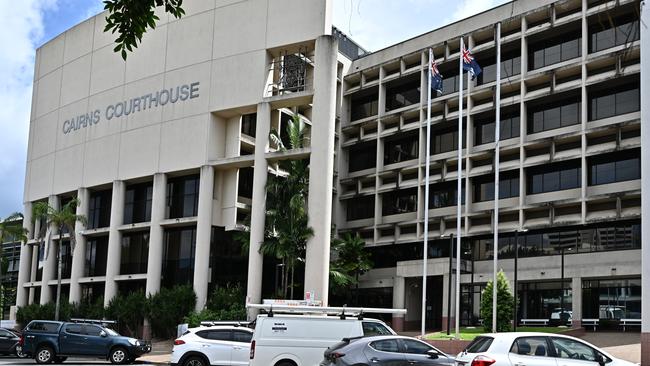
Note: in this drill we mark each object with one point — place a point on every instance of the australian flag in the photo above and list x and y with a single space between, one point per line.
470 64
436 76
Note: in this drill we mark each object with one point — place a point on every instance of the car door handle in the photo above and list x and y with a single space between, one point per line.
520 364
236 347
205 345
411 362
374 360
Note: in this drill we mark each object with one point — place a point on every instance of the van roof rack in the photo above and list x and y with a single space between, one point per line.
236 323
92 321
342 312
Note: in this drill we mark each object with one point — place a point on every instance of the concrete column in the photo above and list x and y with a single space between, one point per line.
576 302
32 274
203 234
446 292
79 254
398 302
156 232
645 185
317 260
258 211
114 241
24 269
49 267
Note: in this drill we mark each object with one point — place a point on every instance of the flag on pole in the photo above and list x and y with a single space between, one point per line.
470 64
436 76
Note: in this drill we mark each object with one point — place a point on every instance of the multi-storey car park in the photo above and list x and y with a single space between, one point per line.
168 154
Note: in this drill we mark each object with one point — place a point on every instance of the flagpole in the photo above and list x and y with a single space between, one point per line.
459 199
497 141
426 199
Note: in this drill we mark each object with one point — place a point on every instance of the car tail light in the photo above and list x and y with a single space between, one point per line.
178 342
334 355
482 361
21 341
252 350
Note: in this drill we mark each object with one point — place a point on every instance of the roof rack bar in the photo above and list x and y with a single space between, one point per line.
237 323
93 321
325 309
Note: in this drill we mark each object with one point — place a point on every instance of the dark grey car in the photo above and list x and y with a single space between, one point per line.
385 351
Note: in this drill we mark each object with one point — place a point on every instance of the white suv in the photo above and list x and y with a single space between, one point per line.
216 345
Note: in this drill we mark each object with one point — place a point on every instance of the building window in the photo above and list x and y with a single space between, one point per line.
450 79
445 194
484 128
398 202
178 256
183 196
249 124
360 208
611 168
135 253
66 259
550 115
508 187
228 262
612 298
403 92
364 105
362 156
445 140
245 183
547 52
554 177
510 66
400 148
610 33
545 300
96 256
137 203
609 100
99 209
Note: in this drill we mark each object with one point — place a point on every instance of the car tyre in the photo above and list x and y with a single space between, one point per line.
118 356
285 363
19 352
44 354
195 361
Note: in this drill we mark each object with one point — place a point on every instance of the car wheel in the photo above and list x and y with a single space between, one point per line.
118 356
285 363
19 352
195 361
44 354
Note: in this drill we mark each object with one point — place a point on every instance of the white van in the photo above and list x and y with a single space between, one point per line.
301 340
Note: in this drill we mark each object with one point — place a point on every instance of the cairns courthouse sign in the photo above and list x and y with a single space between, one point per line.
124 108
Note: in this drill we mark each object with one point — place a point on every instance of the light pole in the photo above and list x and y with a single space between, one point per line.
514 323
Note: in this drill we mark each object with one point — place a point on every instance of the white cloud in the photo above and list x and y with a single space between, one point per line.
22 22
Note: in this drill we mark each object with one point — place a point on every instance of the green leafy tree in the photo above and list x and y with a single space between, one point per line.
130 19
11 230
128 311
167 308
505 300
351 261
64 218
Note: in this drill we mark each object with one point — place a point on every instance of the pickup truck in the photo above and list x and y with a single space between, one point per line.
51 341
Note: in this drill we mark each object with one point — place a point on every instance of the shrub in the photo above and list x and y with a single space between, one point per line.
504 305
26 314
224 297
128 310
168 307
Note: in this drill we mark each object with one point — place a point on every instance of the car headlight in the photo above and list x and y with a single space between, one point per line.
134 342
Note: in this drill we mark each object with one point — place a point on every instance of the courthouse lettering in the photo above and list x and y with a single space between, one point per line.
179 93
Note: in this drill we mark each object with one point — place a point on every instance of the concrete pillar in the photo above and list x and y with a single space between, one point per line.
49 267
398 302
114 241
258 211
203 234
24 269
645 185
156 233
447 312
576 302
79 254
317 259
32 274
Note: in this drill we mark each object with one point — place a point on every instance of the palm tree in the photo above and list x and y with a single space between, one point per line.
352 260
11 230
65 218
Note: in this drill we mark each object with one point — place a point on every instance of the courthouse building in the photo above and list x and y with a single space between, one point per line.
168 154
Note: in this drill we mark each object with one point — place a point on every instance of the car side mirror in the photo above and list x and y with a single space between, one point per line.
602 360
433 354
103 333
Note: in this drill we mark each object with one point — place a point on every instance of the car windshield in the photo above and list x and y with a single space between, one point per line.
111 332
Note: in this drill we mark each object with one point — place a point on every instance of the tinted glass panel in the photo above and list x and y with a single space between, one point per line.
244 337
531 346
92 330
415 347
386 345
73 329
373 329
219 335
479 345
568 348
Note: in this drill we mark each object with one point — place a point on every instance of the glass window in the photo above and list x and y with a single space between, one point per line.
554 177
610 100
445 140
373 329
183 196
530 346
547 52
617 167
249 124
551 115
364 106
360 207
137 203
416 347
484 187
96 256
73 329
612 299
397 202
614 32
400 149
178 256
134 253
99 209
244 337
402 93
245 183
93 330
385 345
363 156
219 335
569 348
479 345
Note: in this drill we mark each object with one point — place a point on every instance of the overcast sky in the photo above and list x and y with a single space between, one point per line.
27 24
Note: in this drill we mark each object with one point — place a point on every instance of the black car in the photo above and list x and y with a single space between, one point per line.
9 342
385 351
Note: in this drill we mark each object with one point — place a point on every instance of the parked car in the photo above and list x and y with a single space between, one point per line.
534 349
300 340
52 341
10 342
386 351
214 345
